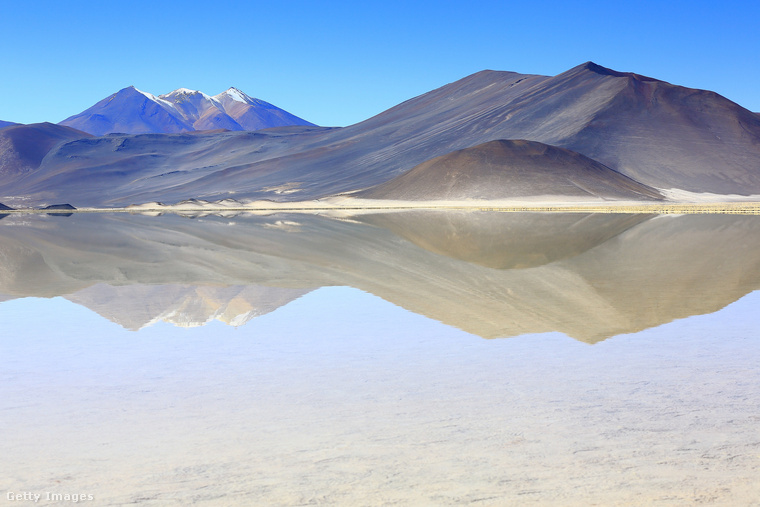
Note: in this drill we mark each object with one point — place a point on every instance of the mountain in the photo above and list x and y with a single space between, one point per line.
4 124
22 147
510 169
132 111
660 135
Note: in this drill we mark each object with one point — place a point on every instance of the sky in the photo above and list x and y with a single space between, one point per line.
338 63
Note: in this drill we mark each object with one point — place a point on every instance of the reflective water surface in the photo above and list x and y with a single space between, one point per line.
298 359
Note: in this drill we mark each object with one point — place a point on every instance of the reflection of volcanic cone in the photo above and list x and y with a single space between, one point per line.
505 240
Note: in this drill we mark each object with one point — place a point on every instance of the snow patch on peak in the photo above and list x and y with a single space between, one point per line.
237 95
177 92
149 95
184 91
181 94
158 100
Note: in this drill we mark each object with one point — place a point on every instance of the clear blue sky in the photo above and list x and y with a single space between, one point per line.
337 63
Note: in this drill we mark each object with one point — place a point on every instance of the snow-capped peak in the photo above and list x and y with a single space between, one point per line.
179 92
237 95
152 97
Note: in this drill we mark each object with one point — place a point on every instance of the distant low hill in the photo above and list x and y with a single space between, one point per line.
131 111
505 169
22 147
4 124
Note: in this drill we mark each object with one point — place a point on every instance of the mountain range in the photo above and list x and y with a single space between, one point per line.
612 135
131 111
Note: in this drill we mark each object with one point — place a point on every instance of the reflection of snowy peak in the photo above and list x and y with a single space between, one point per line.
138 306
133 111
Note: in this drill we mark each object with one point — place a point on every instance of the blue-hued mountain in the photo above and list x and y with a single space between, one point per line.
655 133
4 124
131 111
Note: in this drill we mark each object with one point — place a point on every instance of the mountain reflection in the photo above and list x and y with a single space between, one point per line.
590 276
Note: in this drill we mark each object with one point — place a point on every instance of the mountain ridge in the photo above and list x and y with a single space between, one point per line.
133 111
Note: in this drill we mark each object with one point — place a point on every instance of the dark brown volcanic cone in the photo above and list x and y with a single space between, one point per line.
510 169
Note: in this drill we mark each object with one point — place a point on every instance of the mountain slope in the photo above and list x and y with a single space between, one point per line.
132 111
671 136
510 169
255 114
4 124
125 168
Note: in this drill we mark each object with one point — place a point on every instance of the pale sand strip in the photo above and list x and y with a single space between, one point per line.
678 202
748 208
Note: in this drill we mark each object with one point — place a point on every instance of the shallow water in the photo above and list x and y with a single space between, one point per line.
297 360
